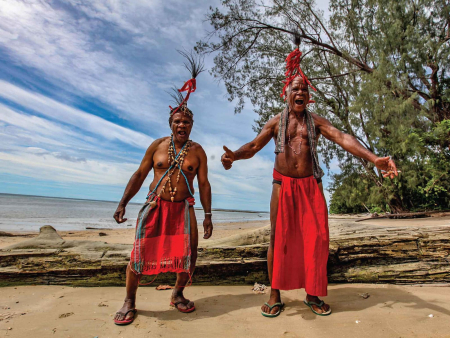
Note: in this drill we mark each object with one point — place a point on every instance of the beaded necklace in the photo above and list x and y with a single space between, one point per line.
301 138
176 161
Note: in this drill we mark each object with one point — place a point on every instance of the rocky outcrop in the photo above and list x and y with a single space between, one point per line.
358 253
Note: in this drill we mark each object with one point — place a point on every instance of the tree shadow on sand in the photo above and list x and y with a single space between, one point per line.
210 307
342 299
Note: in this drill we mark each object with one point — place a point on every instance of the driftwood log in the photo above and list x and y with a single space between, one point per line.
358 253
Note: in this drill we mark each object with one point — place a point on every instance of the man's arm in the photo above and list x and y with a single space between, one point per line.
352 145
250 149
136 181
205 193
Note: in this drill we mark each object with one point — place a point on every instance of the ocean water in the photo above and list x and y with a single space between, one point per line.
29 213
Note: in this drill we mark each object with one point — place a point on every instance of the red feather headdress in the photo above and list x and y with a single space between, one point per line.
195 66
293 68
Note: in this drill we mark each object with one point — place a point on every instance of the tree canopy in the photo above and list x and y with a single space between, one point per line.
381 69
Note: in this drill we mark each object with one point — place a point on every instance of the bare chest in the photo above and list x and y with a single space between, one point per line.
296 132
161 161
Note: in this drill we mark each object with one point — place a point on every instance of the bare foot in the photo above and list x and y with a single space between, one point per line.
275 297
183 303
128 305
319 309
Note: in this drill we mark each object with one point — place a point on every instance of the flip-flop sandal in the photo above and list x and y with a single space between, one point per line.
175 305
276 314
126 321
310 304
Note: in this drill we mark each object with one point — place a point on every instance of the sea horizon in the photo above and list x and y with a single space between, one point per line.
25 213
134 203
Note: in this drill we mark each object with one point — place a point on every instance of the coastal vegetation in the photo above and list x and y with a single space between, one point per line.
382 74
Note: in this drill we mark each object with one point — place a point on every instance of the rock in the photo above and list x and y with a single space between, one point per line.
48 233
102 234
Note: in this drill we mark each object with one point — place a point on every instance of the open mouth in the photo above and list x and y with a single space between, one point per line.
182 133
299 102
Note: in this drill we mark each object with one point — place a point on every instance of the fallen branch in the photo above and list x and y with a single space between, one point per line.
91 228
7 234
404 215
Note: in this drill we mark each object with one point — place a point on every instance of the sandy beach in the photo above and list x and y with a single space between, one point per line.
225 311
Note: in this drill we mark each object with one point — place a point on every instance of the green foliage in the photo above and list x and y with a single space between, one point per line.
381 71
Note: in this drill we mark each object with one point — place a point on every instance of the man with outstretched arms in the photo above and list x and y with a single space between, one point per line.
166 230
298 251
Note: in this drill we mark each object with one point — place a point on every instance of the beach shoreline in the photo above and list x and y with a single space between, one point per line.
221 230
126 235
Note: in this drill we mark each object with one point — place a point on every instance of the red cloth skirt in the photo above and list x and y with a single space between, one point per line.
162 241
301 237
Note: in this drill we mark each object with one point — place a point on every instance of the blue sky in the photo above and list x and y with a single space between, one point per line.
83 94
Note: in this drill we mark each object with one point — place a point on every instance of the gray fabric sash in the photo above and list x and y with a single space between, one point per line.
281 139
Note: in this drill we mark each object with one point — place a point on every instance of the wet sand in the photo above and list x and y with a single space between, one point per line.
225 311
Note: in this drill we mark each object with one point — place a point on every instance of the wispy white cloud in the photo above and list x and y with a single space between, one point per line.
52 166
105 50
65 114
121 56
64 49
36 129
48 147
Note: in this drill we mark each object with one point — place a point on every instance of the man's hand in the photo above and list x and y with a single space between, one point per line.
208 227
227 158
387 166
118 215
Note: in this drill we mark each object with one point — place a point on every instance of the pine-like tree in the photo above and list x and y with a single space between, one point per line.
381 69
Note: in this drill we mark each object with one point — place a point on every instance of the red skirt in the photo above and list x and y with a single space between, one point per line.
162 241
301 237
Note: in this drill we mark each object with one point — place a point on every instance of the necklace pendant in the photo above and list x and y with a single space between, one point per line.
172 198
